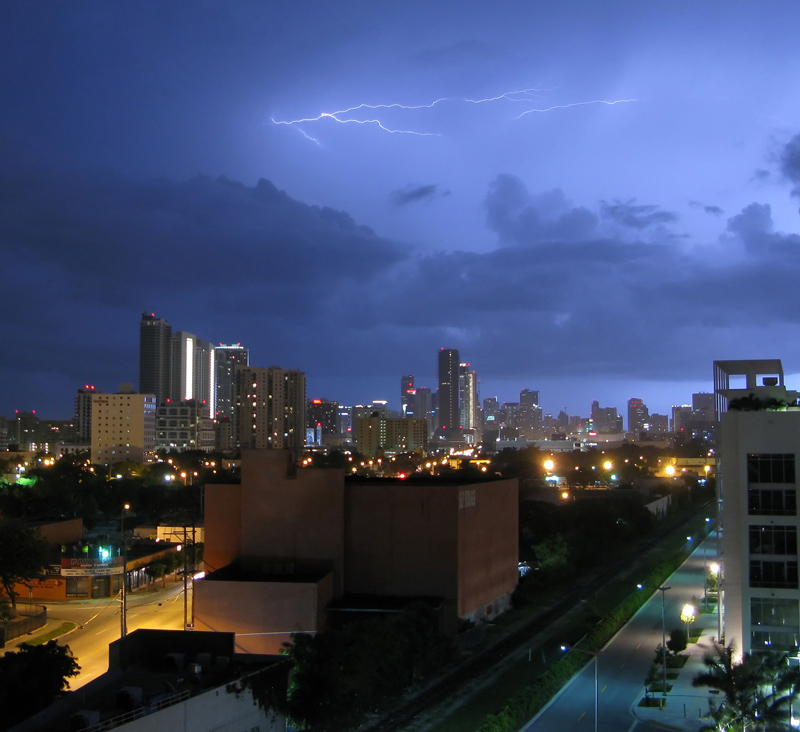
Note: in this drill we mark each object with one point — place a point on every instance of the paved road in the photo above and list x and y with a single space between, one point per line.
100 621
623 664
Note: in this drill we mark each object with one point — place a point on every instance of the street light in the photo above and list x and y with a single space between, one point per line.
688 616
123 618
596 655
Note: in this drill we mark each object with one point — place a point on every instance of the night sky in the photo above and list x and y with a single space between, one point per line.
595 200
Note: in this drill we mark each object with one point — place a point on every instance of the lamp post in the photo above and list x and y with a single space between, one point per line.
596 655
123 617
662 590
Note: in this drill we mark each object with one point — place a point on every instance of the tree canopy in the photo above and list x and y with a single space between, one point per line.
23 557
32 679
757 691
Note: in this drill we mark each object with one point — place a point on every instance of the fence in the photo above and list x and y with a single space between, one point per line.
29 618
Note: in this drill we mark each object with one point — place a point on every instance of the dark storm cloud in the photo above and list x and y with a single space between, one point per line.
414 193
161 234
636 216
520 218
790 162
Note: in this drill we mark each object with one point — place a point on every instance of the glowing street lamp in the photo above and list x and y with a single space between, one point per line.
549 465
688 616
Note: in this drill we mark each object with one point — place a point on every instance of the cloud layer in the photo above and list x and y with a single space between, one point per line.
612 291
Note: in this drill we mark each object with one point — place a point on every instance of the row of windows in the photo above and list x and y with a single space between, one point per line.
770 468
772 501
775 624
773 540
777 574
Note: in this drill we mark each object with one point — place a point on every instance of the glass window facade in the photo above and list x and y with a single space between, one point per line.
775 624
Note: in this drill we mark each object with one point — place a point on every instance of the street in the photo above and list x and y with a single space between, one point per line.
623 663
99 624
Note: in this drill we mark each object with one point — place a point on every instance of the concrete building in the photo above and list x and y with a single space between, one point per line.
408 396
448 413
83 414
123 427
270 410
758 453
394 434
468 398
184 426
173 680
638 417
193 372
287 542
226 359
155 356
322 414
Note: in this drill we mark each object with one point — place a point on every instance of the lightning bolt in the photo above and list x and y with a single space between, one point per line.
349 115
577 104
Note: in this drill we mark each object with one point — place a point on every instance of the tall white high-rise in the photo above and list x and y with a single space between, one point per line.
758 453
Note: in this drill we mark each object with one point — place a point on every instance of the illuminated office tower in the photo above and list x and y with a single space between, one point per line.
638 417
155 361
270 411
468 398
530 414
408 396
447 411
193 371
226 359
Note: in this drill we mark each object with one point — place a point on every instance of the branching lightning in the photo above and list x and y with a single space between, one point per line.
349 115
577 104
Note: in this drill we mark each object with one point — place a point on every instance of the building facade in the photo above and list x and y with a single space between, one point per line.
123 428
448 412
226 359
288 540
408 396
270 410
393 434
758 456
155 356
184 426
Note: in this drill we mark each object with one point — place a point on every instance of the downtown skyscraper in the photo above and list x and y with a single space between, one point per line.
179 366
448 410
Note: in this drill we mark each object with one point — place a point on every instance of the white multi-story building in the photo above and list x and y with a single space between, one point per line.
123 427
758 454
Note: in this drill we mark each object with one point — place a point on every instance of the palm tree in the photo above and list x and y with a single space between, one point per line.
757 691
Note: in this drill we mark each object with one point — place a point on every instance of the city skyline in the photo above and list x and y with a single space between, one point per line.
154 351
593 202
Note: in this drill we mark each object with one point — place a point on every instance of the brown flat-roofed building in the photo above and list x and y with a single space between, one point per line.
287 541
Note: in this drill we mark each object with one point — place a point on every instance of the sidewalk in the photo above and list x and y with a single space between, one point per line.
50 626
686 704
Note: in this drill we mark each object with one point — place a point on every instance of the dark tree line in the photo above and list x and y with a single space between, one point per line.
342 674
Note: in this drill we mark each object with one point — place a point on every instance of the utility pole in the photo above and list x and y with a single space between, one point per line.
123 615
